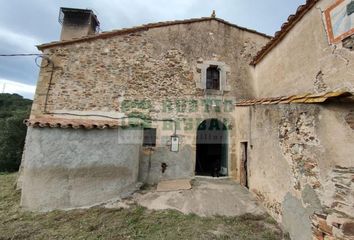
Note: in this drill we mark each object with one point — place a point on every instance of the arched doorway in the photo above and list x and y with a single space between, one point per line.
212 152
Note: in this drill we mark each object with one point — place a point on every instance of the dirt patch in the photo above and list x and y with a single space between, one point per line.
207 198
134 222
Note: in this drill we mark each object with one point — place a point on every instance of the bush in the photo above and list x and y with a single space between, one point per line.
13 110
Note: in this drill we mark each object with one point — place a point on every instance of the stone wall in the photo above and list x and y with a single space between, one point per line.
156 64
153 73
301 156
305 62
70 168
336 221
300 163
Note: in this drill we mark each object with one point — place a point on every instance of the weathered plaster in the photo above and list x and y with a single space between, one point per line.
65 168
179 165
293 66
300 162
296 215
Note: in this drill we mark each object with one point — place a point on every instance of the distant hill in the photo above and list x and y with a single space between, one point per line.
13 110
12 103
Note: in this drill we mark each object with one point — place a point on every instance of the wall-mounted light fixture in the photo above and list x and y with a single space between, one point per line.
174 143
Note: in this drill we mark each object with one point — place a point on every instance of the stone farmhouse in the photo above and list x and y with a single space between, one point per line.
173 100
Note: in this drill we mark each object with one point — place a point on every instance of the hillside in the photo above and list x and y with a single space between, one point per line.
13 110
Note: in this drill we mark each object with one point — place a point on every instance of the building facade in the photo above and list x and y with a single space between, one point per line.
177 99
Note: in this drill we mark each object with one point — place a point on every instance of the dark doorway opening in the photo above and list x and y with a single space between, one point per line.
211 154
244 165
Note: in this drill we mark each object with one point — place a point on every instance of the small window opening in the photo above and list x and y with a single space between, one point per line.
213 78
350 8
149 137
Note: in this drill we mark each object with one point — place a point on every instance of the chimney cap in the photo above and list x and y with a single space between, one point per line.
65 10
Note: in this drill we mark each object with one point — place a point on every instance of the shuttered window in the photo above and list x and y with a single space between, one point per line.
213 78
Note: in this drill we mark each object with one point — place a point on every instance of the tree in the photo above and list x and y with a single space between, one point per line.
13 110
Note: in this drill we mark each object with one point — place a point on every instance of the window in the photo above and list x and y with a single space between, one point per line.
213 78
149 137
350 8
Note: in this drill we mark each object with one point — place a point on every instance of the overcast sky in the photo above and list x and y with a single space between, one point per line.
24 24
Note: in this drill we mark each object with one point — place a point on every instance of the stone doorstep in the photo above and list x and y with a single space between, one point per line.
174 185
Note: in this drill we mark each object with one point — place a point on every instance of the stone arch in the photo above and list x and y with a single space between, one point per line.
212 148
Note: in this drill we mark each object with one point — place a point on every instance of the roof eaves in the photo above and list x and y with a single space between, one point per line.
49 122
143 28
301 98
285 29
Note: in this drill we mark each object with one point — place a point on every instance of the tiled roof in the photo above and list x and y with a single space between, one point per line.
285 28
303 98
48 122
143 28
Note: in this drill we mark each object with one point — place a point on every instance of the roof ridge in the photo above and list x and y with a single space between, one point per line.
293 19
144 27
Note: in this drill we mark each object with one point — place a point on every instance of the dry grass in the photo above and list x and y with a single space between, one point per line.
133 223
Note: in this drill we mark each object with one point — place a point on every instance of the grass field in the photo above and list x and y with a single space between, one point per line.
133 223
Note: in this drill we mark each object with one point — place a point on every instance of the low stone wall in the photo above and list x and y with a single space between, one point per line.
70 168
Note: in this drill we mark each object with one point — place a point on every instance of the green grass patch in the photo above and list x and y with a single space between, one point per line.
133 223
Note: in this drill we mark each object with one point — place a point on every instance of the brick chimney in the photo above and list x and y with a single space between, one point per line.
77 23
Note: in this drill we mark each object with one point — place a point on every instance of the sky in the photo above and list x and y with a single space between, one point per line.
25 24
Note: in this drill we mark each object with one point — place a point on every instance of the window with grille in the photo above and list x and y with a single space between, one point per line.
213 78
149 137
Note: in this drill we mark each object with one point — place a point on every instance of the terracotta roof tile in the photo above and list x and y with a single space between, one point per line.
285 28
301 98
145 27
49 122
